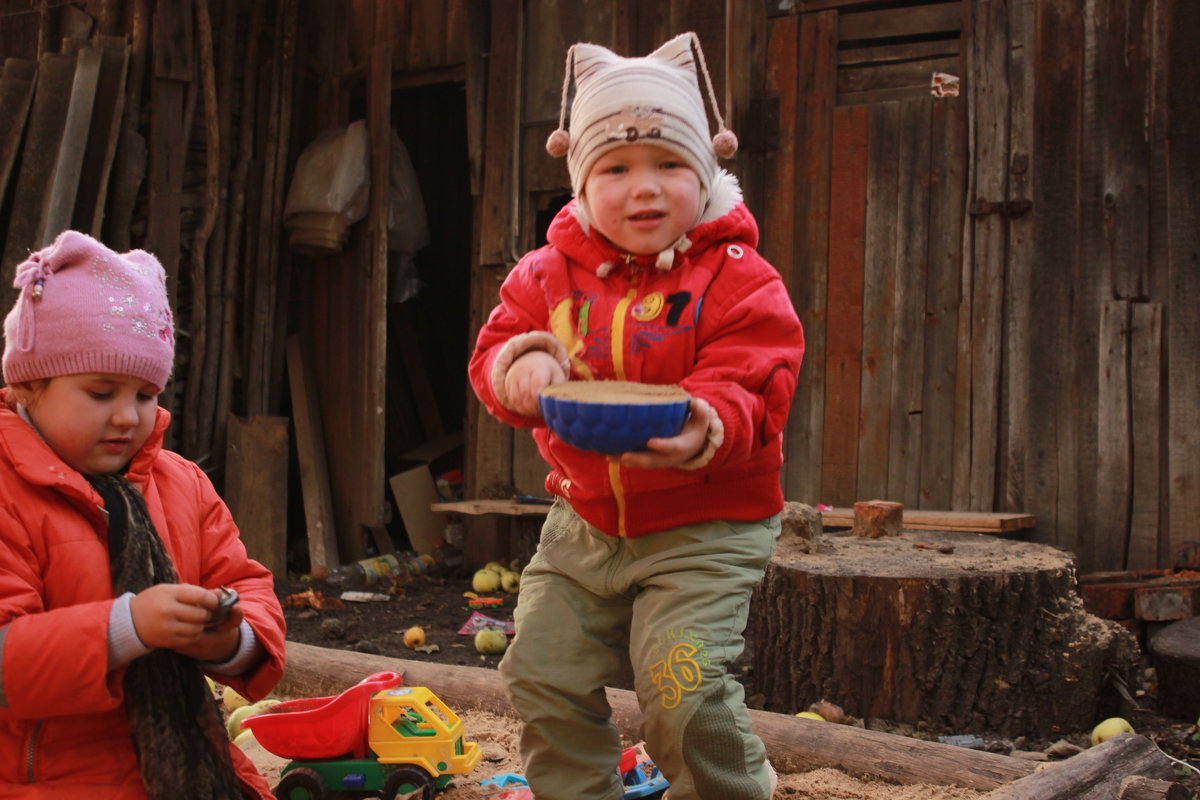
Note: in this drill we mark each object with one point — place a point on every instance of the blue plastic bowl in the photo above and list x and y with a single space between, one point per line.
613 417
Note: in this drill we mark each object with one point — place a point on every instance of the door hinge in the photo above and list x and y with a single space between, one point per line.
1005 208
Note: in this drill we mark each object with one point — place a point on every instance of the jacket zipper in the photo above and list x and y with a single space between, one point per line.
30 750
617 345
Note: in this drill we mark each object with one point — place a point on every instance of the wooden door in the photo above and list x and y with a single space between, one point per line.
864 219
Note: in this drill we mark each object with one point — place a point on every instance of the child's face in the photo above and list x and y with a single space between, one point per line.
94 422
642 197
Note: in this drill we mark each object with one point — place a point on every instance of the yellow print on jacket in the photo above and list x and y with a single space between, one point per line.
680 671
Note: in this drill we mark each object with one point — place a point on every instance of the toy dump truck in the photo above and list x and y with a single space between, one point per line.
376 738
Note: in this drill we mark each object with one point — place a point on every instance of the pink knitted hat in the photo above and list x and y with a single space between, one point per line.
84 308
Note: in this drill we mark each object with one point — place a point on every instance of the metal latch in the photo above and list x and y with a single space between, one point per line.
1005 208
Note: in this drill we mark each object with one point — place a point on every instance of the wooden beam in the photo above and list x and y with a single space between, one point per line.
509 508
941 520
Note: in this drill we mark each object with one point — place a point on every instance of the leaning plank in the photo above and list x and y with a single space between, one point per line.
314 469
60 206
51 95
793 744
918 519
256 469
1095 773
103 136
16 93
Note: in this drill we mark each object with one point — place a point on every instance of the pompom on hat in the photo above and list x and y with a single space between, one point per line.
84 308
653 99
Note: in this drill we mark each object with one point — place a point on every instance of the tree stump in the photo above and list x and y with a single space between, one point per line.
957 632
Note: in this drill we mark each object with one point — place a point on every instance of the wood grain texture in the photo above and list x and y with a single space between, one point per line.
813 129
843 348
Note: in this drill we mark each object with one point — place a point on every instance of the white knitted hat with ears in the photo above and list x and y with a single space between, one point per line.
654 99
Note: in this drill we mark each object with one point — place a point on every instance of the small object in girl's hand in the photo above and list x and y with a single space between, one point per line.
229 598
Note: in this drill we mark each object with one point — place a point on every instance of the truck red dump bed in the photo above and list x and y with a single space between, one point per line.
321 727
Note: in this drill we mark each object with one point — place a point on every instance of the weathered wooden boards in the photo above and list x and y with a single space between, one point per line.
959 632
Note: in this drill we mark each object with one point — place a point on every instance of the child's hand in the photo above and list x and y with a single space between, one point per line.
664 453
174 616
528 375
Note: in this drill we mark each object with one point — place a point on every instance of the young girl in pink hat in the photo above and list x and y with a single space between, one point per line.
114 552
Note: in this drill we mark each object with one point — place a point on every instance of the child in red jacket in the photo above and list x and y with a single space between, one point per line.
115 554
646 558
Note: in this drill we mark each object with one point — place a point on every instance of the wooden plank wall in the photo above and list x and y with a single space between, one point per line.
980 358
520 179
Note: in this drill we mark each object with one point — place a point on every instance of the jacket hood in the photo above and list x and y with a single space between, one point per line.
571 232
39 464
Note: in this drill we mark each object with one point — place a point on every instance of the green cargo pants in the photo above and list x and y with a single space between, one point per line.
671 605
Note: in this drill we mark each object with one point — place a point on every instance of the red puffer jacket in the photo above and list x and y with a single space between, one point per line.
719 323
63 731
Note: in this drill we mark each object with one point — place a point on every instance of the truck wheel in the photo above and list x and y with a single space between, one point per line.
407 782
301 784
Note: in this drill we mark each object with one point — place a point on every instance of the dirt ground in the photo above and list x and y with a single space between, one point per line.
439 606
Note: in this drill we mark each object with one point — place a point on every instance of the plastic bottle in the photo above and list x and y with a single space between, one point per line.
393 567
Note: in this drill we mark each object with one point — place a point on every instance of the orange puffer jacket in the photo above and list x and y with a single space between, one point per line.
63 730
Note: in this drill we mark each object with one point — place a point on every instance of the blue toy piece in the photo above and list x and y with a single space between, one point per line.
504 780
641 778
644 781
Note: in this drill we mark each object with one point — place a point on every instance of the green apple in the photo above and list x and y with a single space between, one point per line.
232 699
491 642
233 723
1110 728
510 581
485 580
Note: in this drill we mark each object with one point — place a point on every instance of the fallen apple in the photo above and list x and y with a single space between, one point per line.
1110 728
232 699
234 722
491 641
485 580
510 581
414 637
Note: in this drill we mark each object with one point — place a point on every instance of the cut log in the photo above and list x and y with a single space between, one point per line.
876 518
1096 773
793 744
1175 652
958 632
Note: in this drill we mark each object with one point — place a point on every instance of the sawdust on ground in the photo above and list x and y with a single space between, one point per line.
497 737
